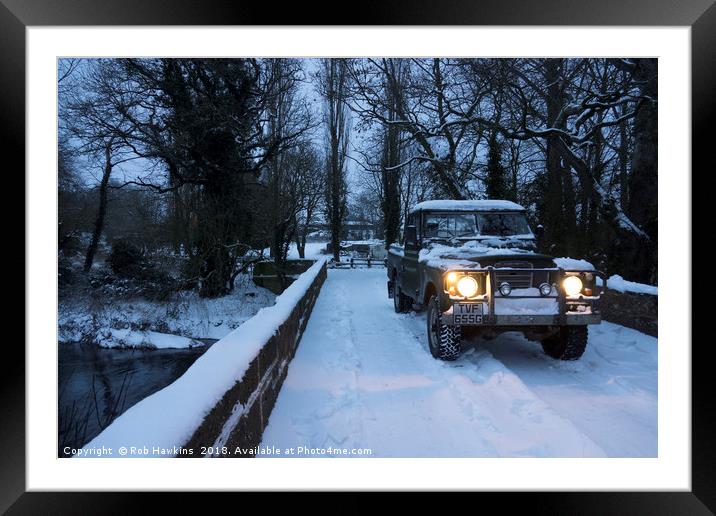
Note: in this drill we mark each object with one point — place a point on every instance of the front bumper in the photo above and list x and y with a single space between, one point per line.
568 311
568 319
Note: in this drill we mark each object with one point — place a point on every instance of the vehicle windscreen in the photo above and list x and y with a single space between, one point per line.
450 225
466 225
502 224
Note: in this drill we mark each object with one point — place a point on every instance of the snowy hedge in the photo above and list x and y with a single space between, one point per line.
225 397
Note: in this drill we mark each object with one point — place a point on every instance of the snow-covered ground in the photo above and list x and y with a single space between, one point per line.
126 338
86 318
363 378
313 251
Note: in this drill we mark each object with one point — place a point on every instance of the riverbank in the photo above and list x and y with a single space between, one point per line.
113 321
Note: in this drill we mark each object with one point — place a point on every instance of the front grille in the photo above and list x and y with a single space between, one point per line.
516 279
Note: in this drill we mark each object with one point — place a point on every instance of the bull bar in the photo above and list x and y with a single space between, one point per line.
562 318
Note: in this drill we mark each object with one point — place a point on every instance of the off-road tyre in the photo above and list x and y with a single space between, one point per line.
401 302
567 344
443 339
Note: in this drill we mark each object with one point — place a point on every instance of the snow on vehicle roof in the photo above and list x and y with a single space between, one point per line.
471 205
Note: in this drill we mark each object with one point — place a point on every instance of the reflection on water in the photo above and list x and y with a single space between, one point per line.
97 384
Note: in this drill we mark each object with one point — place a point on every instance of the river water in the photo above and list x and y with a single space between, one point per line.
95 385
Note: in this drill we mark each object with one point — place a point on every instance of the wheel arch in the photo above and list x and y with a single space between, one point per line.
430 291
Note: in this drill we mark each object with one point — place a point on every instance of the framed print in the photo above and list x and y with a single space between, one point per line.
419 251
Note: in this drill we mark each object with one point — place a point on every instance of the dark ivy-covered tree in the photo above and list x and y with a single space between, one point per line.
203 119
496 183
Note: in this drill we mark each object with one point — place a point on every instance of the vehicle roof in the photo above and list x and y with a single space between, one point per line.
470 205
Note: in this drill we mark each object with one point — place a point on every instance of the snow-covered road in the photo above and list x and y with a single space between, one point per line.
363 378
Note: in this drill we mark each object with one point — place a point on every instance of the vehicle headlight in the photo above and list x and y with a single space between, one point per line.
467 286
545 289
505 289
572 285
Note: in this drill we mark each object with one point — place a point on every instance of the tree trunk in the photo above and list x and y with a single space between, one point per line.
221 224
334 84
569 213
623 163
300 246
391 178
643 184
552 203
101 210
302 232
216 273
335 219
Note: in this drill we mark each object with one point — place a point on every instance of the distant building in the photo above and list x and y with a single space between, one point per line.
352 230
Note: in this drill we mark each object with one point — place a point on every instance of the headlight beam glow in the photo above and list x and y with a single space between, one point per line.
572 286
467 286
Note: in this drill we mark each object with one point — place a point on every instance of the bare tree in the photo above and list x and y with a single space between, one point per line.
332 86
286 114
100 131
309 173
542 131
434 109
565 106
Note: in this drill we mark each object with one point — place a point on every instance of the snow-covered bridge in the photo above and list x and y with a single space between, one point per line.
361 381
363 378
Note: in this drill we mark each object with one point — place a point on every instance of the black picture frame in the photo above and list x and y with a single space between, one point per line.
700 15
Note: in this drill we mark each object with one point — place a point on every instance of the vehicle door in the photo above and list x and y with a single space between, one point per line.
409 283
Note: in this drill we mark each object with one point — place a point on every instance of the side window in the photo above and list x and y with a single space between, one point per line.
411 237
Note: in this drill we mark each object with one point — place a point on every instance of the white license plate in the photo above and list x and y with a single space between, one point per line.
466 314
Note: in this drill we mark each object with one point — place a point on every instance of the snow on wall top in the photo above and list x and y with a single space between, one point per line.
169 417
471 205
